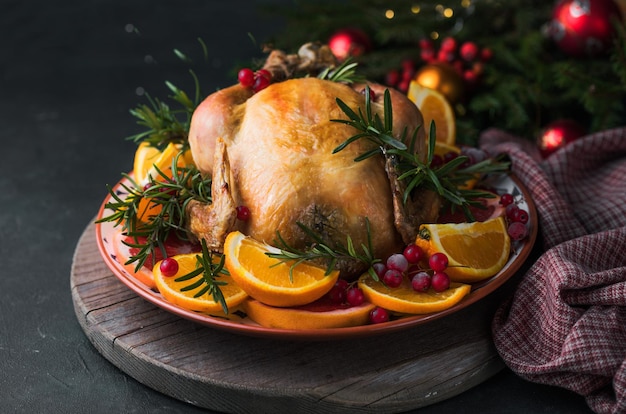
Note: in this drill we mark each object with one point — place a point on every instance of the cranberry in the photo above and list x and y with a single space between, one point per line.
392 278
337 293
397 262
468 51
379 315
440 281
506 199
511 211
264 73
448 44
260 83
437 161
449 156
413 253
438 262
517 230
246 77
519 215
379 269
168 267
243 213
421 282
372 95
355 296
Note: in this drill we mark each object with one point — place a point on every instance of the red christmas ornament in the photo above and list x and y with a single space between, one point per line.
349 42
583 27
558 134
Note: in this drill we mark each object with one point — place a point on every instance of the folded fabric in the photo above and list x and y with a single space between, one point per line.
566 322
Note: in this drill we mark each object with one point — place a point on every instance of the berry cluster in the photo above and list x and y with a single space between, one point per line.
258 80
467 58
517 218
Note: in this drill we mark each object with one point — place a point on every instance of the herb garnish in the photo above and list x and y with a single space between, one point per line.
447 180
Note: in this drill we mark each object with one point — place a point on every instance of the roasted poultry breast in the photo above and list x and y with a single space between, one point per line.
272 151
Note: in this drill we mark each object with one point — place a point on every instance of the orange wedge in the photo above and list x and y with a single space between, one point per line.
148 159
145 156
269 280
317 315
434 107
475 251
173 291
403 299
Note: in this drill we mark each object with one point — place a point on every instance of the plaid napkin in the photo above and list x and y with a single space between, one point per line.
566 323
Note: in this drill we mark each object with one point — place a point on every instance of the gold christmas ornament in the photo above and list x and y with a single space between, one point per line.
444 79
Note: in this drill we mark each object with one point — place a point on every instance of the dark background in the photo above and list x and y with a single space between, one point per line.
69 73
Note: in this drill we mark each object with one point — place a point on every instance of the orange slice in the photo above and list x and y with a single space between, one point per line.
149 158
145 156
434 107
316 315
269 280
172 289
403 299
475 251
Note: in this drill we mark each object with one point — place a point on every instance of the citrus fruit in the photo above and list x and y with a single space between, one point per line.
172 288
148 159
271 281
145 157
475 251
404 299
434 107
320 314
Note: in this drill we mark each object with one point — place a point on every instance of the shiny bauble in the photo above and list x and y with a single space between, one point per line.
444 79
558 134
349 42
582 28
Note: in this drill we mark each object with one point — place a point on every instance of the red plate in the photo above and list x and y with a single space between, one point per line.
107 238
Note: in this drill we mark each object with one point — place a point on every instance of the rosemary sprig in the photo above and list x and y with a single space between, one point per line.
447 180
209 282
163 124
167 197
345 73
320 249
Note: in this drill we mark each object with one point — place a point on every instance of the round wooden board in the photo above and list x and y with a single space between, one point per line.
231 373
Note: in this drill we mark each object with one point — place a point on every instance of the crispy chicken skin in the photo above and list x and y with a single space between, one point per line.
279 145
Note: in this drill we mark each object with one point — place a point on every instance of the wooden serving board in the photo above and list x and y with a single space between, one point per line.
231 373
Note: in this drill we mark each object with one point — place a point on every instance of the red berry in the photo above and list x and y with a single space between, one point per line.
448 44
355 296
449 156
511 211
397 262
372 94
337 293
437 161
520 215
468 51
486 54
392 78
413 253
260 83
243 213
264 73
392 278
506 199
440 281
427 55
168 267
517 230
246 77
421 281
379 315
426 43
380 269
445 56
438 262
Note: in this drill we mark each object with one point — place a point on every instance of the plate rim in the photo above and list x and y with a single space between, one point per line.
477 293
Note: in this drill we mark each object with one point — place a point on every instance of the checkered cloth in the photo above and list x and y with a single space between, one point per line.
566 322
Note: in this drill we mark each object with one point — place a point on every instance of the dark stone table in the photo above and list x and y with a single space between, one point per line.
69 73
